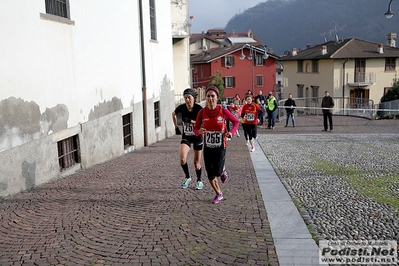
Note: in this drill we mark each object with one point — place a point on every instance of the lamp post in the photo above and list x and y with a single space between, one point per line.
389 13
252 57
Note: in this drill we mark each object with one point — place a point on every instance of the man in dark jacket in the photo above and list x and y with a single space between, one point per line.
289 108
327 104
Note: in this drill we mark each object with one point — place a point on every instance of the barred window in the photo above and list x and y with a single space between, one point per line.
68 152
156 114
58 8
127 130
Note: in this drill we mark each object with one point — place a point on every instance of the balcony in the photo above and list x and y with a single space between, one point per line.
361 79
180 30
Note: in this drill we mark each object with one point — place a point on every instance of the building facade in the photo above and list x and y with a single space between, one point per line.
181 46
82 82
241 59
355 69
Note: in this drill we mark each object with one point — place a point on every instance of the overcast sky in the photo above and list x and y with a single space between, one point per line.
210 14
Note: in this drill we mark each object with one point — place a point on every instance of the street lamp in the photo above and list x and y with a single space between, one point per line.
252 50
389 13
252 56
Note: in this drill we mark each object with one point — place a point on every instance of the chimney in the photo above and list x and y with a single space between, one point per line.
324 50
380 49
391 40
249 33
294 53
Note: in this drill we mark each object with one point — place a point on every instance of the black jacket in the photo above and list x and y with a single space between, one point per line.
327 102
289 103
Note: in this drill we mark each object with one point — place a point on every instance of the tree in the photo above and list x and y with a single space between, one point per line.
218 82
393 93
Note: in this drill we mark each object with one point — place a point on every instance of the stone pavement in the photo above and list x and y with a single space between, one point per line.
132 211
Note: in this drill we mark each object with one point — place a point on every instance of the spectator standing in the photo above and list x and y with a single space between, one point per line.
262 114
327 104
271 107
211 122
237 100
260 96
289 105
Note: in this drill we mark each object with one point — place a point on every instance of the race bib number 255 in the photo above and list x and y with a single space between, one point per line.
213 139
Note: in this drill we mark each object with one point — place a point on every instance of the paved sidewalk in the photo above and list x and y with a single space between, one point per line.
293 242
132 211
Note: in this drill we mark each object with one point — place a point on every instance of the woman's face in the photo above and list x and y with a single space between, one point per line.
249 100
211 98
189 99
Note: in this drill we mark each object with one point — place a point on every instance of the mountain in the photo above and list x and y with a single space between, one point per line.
286 24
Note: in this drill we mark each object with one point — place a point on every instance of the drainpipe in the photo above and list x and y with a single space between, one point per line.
143 77
343 84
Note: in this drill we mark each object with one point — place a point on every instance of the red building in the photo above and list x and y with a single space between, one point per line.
242 59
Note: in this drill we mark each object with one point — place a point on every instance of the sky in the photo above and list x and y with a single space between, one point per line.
210 14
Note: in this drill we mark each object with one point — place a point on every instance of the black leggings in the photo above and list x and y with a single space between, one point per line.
251 131
214 159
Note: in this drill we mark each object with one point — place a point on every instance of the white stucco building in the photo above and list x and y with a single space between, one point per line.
181 46
81 82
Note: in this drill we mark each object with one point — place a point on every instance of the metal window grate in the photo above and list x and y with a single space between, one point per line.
57 8
68 152
127 130
156 114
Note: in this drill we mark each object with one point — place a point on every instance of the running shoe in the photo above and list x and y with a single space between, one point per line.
224 176
238 134
247 142
185 184
217 198
199 185
253 149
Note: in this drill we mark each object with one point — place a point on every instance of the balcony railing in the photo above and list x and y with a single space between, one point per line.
361 79
343 106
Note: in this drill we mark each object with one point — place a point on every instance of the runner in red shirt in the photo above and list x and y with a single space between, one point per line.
211 122
250 113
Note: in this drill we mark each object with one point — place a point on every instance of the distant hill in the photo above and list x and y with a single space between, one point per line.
285 24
